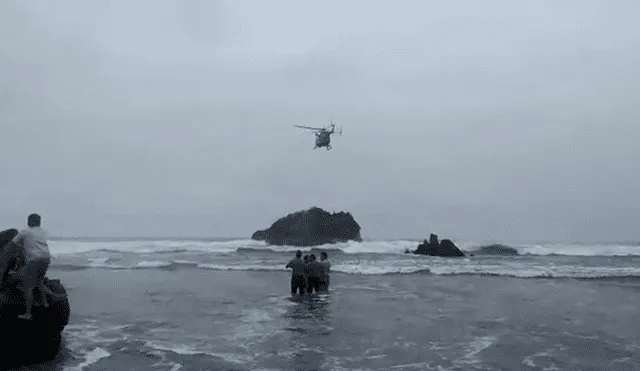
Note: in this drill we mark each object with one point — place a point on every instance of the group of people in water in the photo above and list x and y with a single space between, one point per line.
309 275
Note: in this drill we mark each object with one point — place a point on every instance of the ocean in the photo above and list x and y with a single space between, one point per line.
225 305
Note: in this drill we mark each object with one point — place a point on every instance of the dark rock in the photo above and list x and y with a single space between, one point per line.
10 259
496 250
6 236
29 341
311 227
433 239
259 235
446 248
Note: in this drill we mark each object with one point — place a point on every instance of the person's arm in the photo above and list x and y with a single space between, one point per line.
288 264
19 238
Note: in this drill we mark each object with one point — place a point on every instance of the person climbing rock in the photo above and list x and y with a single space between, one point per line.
37 258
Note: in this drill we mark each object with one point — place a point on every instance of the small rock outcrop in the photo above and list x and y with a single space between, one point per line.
29 341
496 250
445 248
311 227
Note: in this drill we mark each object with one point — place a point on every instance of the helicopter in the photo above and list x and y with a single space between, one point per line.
323 135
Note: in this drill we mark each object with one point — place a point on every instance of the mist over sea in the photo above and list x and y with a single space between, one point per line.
223 304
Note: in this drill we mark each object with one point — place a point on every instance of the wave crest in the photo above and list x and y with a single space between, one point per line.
73 247
388 268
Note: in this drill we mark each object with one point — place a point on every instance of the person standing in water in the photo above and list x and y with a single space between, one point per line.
298 282
326 269
314 273
306 279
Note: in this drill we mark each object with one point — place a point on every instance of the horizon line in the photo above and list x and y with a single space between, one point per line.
389 239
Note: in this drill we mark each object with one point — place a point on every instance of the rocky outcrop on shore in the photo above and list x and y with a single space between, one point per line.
444 248
28 342
311 227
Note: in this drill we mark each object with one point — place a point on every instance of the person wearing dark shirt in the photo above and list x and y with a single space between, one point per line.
297 274
314 273
306 261
326 265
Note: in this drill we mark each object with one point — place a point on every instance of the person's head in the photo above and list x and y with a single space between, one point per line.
33 220
298 254
312 258
306 258
323 255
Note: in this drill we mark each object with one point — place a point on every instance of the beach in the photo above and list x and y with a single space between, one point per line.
130 311
471 170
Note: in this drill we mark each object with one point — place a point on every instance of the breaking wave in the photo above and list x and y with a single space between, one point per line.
71 247
354 258
405 267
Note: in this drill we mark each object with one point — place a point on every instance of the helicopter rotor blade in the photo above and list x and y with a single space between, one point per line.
307 127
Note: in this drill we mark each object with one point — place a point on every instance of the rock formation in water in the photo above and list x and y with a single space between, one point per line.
27 342
445 248
311 227
495 250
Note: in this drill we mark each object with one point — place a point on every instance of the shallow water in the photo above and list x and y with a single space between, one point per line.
198 319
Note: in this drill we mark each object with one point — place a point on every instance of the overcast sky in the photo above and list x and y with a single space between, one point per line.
474 120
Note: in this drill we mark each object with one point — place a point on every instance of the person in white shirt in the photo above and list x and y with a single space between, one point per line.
37 258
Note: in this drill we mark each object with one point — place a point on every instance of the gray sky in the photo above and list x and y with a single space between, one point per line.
473 120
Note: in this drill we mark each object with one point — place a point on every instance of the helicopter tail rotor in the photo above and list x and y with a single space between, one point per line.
333 123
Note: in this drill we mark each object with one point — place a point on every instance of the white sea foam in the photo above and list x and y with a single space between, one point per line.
163 362
152 264
366 258
68 247
89 342
91 357
435 266
74 247
472 349
188 350
579 250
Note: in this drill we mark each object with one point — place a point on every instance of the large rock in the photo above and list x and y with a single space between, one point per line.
32 341
445 248
311 227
